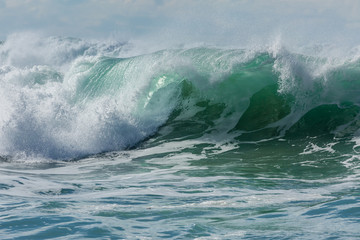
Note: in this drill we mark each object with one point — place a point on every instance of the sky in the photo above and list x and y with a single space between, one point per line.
213 21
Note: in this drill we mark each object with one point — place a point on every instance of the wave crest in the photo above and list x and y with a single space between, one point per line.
83 98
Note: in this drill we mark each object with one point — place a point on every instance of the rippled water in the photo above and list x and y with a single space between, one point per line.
186 190
97 141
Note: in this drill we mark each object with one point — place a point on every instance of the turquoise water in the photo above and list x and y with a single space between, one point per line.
190 143
185 191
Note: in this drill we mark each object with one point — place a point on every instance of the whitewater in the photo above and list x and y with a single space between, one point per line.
101 139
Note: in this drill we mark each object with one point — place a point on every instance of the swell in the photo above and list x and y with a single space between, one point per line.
96 99
258 100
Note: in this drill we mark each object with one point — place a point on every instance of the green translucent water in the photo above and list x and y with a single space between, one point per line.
198 143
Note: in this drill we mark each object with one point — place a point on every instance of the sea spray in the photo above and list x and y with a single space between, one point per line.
100 139
65 98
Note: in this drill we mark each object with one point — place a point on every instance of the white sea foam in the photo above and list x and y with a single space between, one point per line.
65 97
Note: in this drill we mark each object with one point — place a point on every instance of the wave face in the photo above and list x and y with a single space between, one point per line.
64 98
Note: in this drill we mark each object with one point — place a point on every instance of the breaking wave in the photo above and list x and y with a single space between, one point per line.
64 98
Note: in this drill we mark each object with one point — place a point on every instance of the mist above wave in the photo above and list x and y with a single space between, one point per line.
66 97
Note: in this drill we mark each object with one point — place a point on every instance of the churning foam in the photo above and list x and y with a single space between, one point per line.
65 97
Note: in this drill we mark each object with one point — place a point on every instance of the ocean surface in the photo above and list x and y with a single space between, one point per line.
99 139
